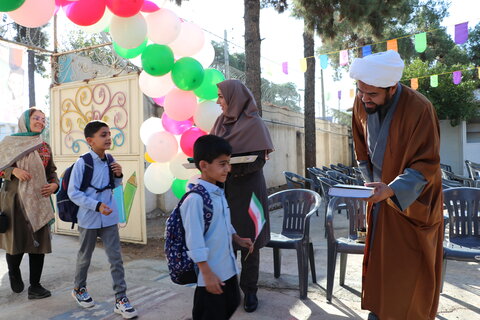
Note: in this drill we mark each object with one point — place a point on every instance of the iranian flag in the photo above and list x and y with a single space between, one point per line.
256 213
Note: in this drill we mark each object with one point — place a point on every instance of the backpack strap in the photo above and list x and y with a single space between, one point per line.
88 173
207 204
110 160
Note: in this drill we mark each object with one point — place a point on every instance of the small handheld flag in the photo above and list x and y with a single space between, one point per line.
256 214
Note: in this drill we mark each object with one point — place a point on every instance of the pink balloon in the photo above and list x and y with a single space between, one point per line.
160 101
188 139
33 13
162 146
149 6
85 12
175 127
125 8
180 105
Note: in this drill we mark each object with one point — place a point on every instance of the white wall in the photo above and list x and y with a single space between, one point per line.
451 145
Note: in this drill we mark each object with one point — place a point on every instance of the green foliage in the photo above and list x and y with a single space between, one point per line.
37 37
452 102
342 117
235 60
282 95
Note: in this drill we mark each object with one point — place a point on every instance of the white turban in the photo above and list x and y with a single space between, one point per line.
383 69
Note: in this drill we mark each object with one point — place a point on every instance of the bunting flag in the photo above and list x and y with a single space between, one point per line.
366 51
343 57
256 214
303 64
339 94
285 67
478 69
352 93
457 77
392 45
414 83
461 33
434 81
328 96
421 42
324 61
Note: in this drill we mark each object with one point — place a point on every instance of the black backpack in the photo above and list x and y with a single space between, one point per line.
67 210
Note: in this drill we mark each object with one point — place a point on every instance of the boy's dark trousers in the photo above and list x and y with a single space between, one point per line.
208 306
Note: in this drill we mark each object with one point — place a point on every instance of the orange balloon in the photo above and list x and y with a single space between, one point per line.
147 157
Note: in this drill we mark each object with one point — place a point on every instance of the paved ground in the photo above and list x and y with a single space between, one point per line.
156 297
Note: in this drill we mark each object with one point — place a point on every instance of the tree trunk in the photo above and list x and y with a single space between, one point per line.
252 49
309 103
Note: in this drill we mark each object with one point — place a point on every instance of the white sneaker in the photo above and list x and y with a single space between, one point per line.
83 298
123 307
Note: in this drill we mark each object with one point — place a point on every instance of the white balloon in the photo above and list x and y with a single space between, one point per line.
189 41
177 168
163 26
103 23
206 55
155 87
129 32
158 178
206 114
149 127
162 146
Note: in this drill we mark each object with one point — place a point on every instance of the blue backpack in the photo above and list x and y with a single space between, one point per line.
180 266
67 210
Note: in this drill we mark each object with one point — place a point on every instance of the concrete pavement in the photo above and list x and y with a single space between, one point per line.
156 297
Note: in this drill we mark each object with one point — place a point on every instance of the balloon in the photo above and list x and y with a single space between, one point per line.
10 5
206 55
160 101
163 26
33 13
188 139
157 59
149 6
190 40
102 24
175 127
208 89
130 32
178 187
130 53
85 12
206 114
177 168
125 8
180 105
162 146
149 127
147 158
187 73
155 86
158 178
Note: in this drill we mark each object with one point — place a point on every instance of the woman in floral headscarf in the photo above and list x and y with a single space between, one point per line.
29 178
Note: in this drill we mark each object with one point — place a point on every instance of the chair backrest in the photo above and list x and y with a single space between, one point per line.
473 169
446 167
463 205
343 178
298 206
295 181
468 182
317 186
356 209
339 169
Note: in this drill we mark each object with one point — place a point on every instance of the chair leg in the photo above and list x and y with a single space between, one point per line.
331 260
277 262
343 267
302 260
325 220
311 257
444 268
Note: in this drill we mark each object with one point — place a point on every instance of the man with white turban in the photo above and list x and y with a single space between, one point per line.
397 143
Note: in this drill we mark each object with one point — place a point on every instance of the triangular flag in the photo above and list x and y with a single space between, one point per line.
434 81
324 61
457 77
285 67
421 42
392 45
478 68
461 33
352 93
366 51
343 57
339 94
414 83
303 64
257 215
328 96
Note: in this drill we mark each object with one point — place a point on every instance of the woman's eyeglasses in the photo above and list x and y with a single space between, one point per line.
37 118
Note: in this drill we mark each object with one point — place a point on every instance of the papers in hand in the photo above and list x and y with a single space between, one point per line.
350 191
233 160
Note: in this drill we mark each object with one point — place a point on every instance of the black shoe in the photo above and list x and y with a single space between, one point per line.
38 292
16 282
372 316
250 302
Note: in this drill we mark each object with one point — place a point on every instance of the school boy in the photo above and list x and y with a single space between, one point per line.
217 295
98 217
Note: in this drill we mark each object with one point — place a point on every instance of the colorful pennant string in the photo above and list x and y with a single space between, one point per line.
303 64
366 51
414 83
434 81
392 45
421 42
461 33
343 57
285 67
324 61
457 77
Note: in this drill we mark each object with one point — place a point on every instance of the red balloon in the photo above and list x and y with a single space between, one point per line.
188 139
125 8
84 12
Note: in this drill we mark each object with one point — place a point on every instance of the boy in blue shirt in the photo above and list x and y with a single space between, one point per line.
98 217
217 295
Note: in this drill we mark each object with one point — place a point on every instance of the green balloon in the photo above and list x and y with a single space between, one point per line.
208 89
187 74
130 53
157 59
178 187
10 5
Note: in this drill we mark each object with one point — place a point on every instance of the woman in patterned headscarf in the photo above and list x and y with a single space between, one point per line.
243 128
29 178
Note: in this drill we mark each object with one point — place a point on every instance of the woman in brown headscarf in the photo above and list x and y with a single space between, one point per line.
29 178
243 128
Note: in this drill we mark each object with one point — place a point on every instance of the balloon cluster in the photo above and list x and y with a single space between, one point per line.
175 58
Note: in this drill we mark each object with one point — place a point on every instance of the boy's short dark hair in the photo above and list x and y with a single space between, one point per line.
210 147
92 127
